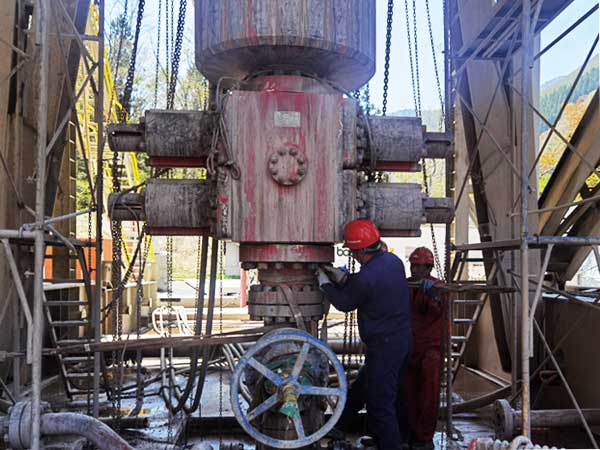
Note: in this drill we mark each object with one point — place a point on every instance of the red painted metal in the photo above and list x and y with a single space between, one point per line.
286 253
243 288
291 83
391 166
263 124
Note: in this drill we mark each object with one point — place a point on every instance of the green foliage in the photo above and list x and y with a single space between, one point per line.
555 91
556 147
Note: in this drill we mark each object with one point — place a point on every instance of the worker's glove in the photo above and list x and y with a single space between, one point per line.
428 287
322 277
338 275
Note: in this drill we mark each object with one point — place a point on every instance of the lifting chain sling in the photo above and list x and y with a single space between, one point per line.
117 231
416 84
388 45
221 279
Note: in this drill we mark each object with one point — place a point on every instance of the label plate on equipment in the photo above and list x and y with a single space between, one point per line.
287 119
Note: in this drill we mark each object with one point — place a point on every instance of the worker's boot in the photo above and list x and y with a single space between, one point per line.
423 445
367 442
336 434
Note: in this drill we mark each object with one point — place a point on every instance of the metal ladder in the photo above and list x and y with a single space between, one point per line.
469 310
65 318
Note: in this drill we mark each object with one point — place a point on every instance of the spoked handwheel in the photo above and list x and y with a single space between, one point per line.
288 388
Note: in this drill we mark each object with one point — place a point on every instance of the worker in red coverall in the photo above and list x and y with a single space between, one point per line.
423 377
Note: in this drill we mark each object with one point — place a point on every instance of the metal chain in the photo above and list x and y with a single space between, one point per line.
169 330
172 30
435 65
157 67
221 277
117 240
89 355
415 78
126 99
198 281
410 58
345 341
176 53
167 43
388 45
352 325
436 258
416 44
367 100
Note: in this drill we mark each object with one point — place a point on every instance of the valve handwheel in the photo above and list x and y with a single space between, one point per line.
288 387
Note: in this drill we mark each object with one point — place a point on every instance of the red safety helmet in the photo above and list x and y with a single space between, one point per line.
421 255
360 234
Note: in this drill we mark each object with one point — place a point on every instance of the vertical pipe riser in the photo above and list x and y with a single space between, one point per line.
524 147
42 18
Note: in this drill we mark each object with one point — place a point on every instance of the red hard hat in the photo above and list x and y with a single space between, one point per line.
421 255
360 234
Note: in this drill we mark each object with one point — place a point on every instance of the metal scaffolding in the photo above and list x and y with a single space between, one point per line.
58 32
511 34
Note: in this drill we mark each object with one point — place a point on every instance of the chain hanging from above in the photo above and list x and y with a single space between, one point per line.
416 47
128 90
388 45
167 43
413 79
117 231
157 66
222 255
89 361
412 38
176 53
435 65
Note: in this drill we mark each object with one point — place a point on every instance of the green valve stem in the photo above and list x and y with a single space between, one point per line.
290 402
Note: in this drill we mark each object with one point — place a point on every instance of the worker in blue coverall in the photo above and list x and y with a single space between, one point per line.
380 294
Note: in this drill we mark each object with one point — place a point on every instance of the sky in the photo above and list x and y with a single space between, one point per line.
561 60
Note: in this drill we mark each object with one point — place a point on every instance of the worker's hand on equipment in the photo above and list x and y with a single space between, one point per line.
322 277
337 275
428 287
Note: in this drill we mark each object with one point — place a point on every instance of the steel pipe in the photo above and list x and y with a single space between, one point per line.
100 434
12 264
42 20
507 419
526 63
17 428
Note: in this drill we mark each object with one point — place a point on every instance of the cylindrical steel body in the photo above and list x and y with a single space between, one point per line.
396 208
178 206
332 39
397 140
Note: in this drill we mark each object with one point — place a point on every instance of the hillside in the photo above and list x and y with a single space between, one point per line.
554 91
431 117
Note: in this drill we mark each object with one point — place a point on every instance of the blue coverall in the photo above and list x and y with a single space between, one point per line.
380 294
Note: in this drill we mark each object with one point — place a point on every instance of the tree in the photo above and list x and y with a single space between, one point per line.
556 147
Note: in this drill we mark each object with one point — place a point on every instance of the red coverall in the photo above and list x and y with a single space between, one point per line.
423 376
